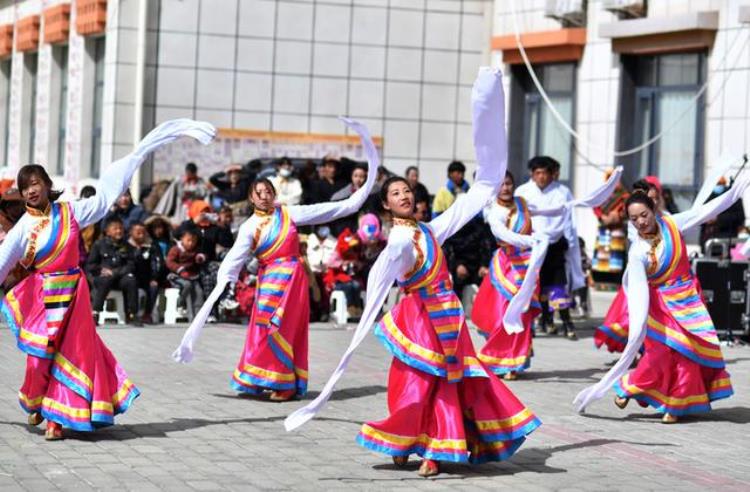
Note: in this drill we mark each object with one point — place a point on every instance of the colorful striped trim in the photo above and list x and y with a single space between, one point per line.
275 235
485 452
672 405
453 450
59 236
686 306
243 379
428 263
522 224
507 429
507 287
615 332
72 377
284 352
30 405
670 251
272 284
502 366
695 349
408 352
27 341
58 291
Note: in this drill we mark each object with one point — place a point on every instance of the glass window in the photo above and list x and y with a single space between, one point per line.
543 134
31 61
62 119
667 102
5 71
96 133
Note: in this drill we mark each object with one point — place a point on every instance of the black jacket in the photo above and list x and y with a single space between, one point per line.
106 253
471 246
226 192
149 263
210 237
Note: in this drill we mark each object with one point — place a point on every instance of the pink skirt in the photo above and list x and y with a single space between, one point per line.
613 332
71 378
276 347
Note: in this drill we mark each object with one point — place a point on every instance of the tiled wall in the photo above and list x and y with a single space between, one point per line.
404 67
728 109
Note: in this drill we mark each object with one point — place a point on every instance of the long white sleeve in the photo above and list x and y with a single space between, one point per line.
519 304
699 214
636 288
117 176
229 271
321 213
490 145
11 250
552 211
392 262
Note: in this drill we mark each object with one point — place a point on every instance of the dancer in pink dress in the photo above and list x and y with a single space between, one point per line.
72 379
275 354
682 369
444 404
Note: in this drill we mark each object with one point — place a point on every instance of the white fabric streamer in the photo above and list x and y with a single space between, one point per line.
519 304
300 215
488 115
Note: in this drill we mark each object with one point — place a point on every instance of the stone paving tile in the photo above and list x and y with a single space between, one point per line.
189 431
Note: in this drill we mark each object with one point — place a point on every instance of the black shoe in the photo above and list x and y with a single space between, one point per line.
133 320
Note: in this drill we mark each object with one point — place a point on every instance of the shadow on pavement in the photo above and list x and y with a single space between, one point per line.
564 375
338 395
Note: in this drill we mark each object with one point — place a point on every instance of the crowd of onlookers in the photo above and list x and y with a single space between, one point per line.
179 233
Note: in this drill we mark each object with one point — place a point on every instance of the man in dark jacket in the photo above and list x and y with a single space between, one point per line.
468 253
127 211
111 265
232 185
149 267
727 224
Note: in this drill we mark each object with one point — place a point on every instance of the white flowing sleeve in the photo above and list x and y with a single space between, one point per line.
321 213
396 259
490 146
553 211
505 235
699 214
117 176
636 289
12 249
229 271
520 302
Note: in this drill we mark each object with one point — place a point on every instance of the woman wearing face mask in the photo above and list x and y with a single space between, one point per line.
275 355
444 404
72 379
682 368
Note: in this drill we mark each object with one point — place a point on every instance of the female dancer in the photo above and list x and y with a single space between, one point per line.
72 379
682 368
444 404
509 348
275 354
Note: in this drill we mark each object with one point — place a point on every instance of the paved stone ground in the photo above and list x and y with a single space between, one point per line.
188 430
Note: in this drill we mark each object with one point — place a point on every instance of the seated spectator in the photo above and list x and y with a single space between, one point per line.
422 211
232 185
320 248
111 265
150 269
344 271
288 188
160 231
176 200
455 185
359 176
12 208
213 242
90 233
468 253
127 211
420 191
185 263
314 288
323 188
372 241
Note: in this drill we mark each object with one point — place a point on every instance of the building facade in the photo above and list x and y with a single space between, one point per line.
626 74
273 75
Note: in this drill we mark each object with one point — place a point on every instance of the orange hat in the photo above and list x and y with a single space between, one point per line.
197 208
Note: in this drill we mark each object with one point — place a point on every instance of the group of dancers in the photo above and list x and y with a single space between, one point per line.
446 402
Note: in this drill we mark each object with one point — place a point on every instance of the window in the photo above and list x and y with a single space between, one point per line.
61 58
534 129
5 71
660 97
32 63
96 130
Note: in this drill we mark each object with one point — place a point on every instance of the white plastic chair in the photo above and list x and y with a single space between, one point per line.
339 312
118 315
171 312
